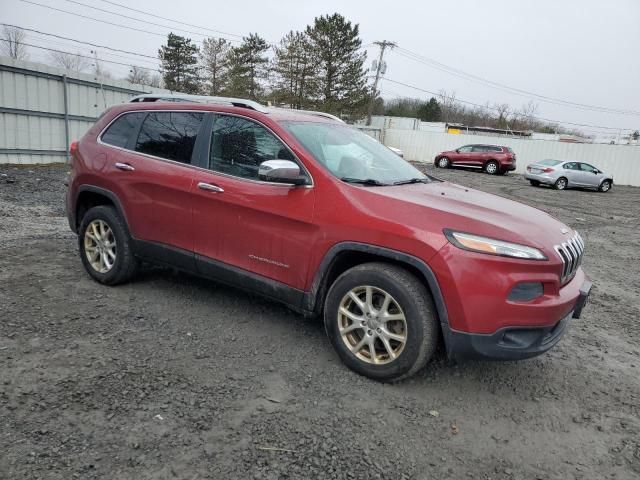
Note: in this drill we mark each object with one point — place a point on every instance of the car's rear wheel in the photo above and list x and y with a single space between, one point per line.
535 183
105 246
381 321
605 186
560 184
492 167
444 162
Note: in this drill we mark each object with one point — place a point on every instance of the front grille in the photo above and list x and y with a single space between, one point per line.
570 252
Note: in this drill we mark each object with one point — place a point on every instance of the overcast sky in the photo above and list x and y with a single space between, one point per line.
583 51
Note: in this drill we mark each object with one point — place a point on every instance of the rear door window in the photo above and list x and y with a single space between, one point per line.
479 149
170 135
121 129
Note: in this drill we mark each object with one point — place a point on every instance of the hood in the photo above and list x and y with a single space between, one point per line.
440 205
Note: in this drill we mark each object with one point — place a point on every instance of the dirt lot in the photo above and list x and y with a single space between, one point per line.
176 377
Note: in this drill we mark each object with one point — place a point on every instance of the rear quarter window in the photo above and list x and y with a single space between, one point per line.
119 131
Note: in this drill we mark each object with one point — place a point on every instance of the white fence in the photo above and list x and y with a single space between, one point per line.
621 161
43 108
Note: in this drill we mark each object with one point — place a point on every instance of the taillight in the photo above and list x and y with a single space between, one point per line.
528 169
73 148
547 170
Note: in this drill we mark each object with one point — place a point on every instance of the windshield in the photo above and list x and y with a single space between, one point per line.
551 163
353 156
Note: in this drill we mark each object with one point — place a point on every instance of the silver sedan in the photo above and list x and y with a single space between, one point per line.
561 175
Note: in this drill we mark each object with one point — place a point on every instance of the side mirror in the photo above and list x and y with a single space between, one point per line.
457 150
281 171
596 171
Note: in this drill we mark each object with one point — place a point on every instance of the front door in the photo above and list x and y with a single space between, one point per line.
244 223
462 155
591 175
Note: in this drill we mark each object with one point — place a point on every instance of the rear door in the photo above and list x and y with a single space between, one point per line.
479 155
153 177
243 223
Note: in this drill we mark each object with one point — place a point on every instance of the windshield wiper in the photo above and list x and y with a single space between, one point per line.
364 181
412 180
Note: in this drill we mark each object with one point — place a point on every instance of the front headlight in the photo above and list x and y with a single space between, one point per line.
476 243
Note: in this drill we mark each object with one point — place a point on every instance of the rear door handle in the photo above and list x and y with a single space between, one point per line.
210 187
124 166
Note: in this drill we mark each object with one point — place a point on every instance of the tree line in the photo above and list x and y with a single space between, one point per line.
321 67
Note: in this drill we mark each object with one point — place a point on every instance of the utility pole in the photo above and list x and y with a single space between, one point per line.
383 46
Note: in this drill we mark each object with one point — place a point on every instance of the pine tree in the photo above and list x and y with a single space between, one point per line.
180 64
248 68
294 67
430 111
341 73
214 58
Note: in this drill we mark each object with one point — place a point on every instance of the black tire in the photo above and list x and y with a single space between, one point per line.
560 184
443 162
535 183
605 186
492 167
415 303
125 264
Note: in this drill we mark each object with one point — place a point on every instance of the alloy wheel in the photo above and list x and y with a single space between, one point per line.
491 168
100 246
372 325
443 162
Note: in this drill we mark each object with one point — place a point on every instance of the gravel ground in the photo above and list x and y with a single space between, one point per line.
176 377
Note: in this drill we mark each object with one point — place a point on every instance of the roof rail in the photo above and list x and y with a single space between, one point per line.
183 97
311 112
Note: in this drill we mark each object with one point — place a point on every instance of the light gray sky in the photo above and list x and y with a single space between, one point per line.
583 51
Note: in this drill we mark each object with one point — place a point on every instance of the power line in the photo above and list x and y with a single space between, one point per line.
79 41
493 108
170 19
139 20
84 56
469 76
98 20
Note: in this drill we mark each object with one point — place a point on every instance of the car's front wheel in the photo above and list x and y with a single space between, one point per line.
605 186
443 162
381 321
105 246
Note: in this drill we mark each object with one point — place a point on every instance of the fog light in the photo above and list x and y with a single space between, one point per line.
526 291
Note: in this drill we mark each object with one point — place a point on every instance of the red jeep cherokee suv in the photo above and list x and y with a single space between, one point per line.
308 211
493 159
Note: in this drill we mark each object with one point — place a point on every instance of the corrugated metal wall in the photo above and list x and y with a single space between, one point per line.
622 161
33 117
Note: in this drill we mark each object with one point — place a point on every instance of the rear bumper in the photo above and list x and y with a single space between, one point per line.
513 343
539 177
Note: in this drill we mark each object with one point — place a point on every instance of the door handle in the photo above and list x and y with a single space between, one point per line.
124 166
210 187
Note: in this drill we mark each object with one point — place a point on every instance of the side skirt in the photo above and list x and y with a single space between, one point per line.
218 271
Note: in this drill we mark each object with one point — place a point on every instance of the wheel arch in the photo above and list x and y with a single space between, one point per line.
346 255
90 196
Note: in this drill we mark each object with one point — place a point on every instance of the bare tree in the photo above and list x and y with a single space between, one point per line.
139 75
156 80
12 43
69 61
448 105
100 71
503 110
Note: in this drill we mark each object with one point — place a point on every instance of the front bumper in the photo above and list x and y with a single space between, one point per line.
513 343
